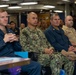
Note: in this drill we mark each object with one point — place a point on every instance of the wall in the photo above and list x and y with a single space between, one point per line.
45 16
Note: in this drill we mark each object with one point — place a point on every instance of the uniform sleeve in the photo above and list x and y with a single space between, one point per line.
2 43
44 41
49 45
17 46
65 31
68 35
69 41
50 37
25 42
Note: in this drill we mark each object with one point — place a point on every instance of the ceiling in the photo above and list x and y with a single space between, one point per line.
59 5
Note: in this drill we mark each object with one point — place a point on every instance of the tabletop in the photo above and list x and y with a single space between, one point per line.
9 62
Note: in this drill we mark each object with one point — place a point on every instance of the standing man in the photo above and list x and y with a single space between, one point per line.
55 35
32 39
9 44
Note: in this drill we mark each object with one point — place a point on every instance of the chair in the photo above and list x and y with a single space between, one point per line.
22 54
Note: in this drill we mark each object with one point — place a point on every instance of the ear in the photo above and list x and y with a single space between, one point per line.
65 22
50 21
27 20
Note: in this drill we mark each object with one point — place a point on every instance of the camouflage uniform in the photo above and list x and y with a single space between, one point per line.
70 33
57 60
34 40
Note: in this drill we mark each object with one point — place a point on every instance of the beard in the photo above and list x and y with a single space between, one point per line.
71 24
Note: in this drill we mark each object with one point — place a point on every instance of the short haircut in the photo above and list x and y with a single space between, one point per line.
2 10
30 13
12 22
54 14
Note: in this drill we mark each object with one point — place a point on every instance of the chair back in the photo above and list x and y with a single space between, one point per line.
22 54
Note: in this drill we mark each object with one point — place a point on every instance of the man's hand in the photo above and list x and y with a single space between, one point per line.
70 54
48 51
63 52
7 37
67 53
72 57
10 37
13 38
71 48
74 44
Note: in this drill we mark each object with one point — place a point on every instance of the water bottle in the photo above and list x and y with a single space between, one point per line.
62 72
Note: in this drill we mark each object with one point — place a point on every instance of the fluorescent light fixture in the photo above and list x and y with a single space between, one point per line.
66 0
3 6
5 0
59 11
29 3
49 6
75 2
14 7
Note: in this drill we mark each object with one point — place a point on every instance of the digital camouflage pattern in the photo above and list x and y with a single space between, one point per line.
35 41
57 60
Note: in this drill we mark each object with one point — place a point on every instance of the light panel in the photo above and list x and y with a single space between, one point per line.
75 2
14 7
49 6
3 6
29 3
4 0
66 0
58 11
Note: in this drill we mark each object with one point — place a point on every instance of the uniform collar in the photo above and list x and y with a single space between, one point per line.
66 27
53 28
31 30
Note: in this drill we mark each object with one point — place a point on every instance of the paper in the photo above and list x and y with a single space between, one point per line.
3 59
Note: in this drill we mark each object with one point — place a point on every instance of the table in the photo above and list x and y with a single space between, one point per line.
9 62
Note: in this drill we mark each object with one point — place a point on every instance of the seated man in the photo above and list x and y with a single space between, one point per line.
14 28
9 44
22 26
64 50
32 39
70 32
